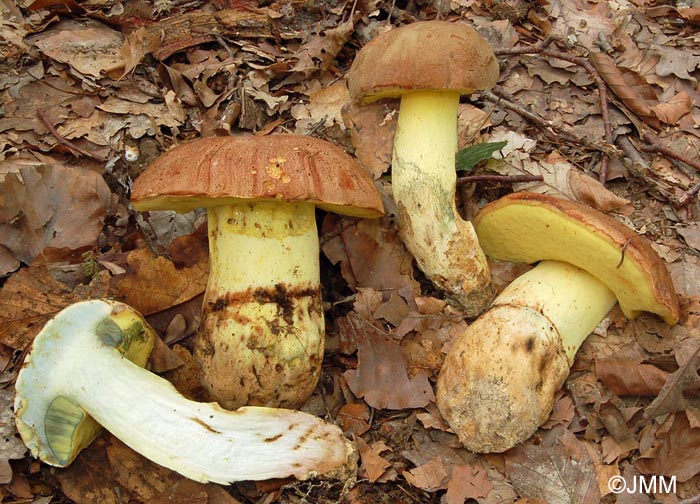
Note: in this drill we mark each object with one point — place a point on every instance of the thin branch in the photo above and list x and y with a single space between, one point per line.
654 145
507 179
63 141
542 48
552 131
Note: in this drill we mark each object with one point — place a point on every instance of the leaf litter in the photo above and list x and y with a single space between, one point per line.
92 92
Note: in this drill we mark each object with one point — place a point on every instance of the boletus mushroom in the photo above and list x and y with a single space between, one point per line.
498 381
429 65
85 370
261 340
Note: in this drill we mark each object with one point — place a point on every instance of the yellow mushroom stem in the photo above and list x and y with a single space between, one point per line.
573 300
498 381
423 180
261 338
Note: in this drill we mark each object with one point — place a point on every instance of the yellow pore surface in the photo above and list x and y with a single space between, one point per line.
531 231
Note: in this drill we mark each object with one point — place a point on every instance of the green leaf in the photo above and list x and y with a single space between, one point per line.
468 157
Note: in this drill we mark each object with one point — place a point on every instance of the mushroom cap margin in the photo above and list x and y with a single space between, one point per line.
225 170
423 56
530 227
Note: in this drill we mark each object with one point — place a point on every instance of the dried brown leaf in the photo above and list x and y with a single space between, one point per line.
186 491
321 50
354 418
590 191
370 254
381 377
8 263
89 478
155 284
467 482
562 473
372 461
676 451
670 398
629 86
559 176
372 127
671 111
51 206
630 376
431 476
90 48
137 45
27 301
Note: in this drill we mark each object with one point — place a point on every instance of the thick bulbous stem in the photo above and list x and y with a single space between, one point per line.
499 379
262 335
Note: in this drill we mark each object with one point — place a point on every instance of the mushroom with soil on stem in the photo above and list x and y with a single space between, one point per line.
261 339
85 370
429 65
498 381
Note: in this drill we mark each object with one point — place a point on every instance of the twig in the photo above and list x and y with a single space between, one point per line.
63 141
554 132
689 194
508 179
542 48
656 146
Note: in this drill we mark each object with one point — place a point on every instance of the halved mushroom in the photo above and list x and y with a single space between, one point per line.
498 381
262 335
85 370
429 65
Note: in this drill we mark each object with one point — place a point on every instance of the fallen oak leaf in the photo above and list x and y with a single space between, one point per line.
28 299
558 473
372 462
381 377
675 452
354 418
51 206
670 398
431 476
467 482
630 376
155 284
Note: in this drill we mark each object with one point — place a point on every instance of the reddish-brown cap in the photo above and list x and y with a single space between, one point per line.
427 55
224 170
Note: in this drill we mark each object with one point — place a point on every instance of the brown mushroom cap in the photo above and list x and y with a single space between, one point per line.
423 56
529 227
225 170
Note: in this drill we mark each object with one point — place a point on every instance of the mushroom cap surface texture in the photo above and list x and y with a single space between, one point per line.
225 170
423 56
528 227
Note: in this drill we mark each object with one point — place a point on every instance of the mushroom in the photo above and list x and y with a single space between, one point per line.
85 369
498 381
429 65
261 339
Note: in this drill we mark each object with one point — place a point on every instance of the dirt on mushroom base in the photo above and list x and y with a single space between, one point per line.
265 366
